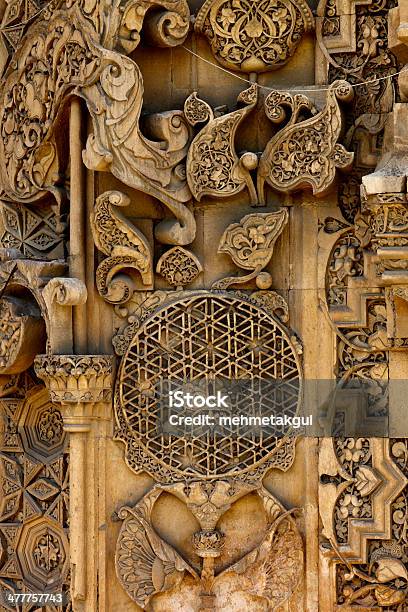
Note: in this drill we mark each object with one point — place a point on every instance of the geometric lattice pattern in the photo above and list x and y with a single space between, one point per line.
34 498
32 231
198 340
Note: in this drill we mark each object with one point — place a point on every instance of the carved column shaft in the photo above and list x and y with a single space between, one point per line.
82 386
77 261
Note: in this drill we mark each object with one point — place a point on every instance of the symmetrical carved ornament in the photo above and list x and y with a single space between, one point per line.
250 244
179 267
304 153
125 246
157 355
148 566
76 378
254 35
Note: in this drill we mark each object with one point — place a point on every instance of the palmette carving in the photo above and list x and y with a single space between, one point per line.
76 378
125 246
213 166
250 244
254 35
305 154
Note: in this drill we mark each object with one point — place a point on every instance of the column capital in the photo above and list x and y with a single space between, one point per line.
74 379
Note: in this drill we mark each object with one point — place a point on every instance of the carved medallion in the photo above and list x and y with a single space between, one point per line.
195 339
254 35
179 267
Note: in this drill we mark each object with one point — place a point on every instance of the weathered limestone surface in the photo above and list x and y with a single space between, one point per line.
203 190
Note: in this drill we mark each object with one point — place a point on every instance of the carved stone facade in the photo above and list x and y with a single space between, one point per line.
206 195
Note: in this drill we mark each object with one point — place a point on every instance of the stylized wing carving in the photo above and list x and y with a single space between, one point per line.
273 570
145 564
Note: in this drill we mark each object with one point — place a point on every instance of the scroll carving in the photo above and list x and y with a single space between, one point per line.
250 244
125 246
304 154
118 146
213 166
113 88
254 35
58 297
166 26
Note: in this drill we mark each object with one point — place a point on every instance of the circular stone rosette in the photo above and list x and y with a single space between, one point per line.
202 343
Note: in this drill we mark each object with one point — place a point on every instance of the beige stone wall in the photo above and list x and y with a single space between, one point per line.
193 190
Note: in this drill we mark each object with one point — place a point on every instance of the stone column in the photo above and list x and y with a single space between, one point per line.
82 387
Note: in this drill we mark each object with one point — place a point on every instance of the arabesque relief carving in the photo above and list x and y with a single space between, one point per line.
31 164
124 244
250 244
179 267
213 222
213 166
254 36
363 509
304 154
